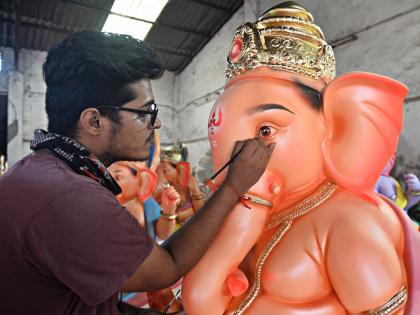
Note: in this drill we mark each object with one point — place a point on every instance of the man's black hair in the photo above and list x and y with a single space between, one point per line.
92 69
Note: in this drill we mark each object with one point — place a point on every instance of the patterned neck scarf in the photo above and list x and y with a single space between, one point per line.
76 156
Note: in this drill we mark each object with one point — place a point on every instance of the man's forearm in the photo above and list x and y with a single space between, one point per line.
189 243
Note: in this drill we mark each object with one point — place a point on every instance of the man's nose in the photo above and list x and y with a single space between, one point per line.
157 123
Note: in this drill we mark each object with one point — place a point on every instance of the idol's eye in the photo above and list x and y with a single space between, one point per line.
265 131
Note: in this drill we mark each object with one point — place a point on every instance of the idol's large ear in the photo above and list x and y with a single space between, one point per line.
364 114
184 170
147 183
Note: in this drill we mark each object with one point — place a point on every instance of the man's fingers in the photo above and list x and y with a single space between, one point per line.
250 164
265 150
255 149
271 147
248 148
258 144
238 146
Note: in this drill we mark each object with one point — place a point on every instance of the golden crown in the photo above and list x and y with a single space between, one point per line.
284 38
174 153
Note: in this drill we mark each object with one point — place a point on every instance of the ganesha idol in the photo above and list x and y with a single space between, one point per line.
317 239
137 183
391 188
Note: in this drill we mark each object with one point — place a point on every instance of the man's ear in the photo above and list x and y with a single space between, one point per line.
147 183
90 121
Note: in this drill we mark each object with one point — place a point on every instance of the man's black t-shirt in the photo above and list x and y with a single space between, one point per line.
66 245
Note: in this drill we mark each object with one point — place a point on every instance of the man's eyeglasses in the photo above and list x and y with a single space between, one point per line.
153 111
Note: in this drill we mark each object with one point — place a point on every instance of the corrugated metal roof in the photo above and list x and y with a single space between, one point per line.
181 30
185 26
46 22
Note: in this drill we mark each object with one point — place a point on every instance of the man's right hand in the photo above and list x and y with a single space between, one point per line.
247 168
167 263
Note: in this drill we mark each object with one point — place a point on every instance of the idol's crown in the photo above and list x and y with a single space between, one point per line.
284 38
174 153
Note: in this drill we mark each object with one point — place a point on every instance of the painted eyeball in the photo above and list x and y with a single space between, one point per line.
265 132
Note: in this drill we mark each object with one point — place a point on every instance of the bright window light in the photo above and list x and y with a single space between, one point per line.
143 9
122 25
147 10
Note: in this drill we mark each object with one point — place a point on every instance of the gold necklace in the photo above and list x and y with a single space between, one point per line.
302 207
284 220
257 200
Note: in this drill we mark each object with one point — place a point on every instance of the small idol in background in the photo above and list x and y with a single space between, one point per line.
175 170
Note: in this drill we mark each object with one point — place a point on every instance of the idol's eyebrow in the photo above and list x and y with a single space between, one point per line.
264 107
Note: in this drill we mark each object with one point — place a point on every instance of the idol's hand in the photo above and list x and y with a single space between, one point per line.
249 165
412 182
237 283
170 200
193 186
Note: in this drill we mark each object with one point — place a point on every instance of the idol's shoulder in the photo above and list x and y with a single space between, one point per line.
350 213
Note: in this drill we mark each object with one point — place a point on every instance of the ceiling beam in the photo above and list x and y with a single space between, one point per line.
183 29
173 51
38 23
105 11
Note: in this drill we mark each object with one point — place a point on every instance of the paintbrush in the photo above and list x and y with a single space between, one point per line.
224 166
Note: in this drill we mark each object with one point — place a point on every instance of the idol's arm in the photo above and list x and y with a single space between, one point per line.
205 291
412 183
197 196
167 220
363 262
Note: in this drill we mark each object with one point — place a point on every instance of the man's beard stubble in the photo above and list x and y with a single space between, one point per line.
112 155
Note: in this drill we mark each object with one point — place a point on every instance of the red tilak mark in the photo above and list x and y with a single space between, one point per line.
212 121
217 122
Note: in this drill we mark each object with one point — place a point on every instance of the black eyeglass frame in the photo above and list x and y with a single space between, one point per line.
153 112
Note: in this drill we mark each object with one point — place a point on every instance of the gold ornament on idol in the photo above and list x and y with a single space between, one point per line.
284 221
173 153
257 200
394 303
284 38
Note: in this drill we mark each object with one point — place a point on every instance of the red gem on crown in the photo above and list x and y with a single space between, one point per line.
236 50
